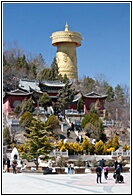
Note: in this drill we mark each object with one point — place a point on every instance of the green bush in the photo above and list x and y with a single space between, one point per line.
110 163
94 163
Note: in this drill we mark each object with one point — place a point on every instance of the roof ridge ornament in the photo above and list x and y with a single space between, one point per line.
66 27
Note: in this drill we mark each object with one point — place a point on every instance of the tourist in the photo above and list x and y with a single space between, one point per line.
68 133
72 167
99 173
69 167
105 169
14 164
8 164
118 172
72 127
115 164
102 163
4 162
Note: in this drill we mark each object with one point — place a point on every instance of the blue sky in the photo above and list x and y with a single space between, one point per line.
105 28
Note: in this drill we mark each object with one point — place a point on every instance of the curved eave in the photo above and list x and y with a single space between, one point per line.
96 97
19 94
54 84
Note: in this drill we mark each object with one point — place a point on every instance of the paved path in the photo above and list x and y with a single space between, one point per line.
23 183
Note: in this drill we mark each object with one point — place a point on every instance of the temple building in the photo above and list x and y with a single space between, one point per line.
35 89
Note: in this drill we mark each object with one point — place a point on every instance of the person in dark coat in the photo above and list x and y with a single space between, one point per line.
68 133
99 173
116 163
118 172
102 163
8 164
72 127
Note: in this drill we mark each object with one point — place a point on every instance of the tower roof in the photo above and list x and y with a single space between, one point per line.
66 36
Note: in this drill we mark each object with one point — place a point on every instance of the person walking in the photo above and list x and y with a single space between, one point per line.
69 167
118 172
99 173
14 164
8 164
105 169
72 167
115 164
68 133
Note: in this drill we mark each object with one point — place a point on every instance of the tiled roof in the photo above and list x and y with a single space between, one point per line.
18 92
94 95
26 84
56 83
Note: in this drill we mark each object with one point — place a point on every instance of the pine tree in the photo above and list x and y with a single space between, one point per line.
96 122
26 119
65 97
29 105
119 94
80 105
54 71
45 101
39 141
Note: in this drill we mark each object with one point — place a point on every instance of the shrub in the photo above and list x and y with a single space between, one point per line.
110 162
79 162
61 162
94 163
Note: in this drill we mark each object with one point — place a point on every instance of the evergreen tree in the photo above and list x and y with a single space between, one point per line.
119 94
110 93
115 142
38 141
96 122
44 74
93 109
26 119
88 84
18 108
54 70
80 105
29 105
45 101
65 97
6 136
99 147
52 123
21 62
33 70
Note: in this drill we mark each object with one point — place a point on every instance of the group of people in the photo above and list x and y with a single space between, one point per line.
70 167
102 167
13 163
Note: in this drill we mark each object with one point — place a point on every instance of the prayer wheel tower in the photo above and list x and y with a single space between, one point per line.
66 42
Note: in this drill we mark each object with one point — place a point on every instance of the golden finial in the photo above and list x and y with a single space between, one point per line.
66 27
